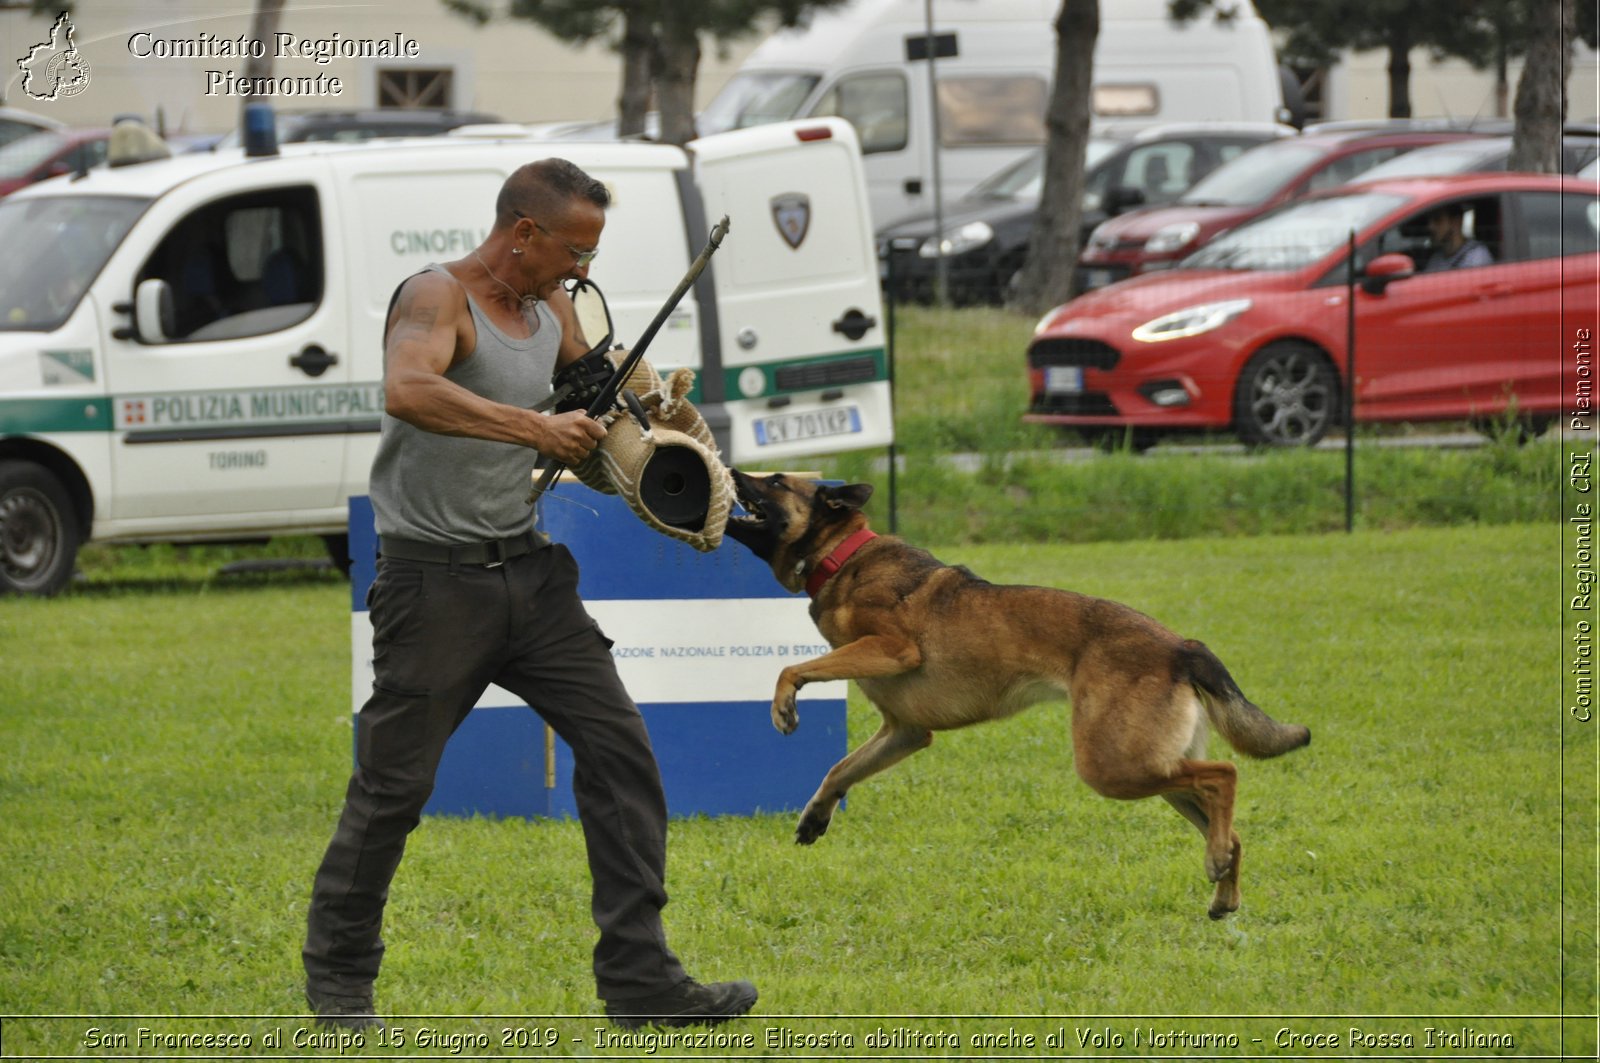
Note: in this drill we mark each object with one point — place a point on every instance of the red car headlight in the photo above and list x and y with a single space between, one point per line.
1190 321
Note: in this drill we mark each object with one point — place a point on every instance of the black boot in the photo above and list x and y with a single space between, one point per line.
686 1004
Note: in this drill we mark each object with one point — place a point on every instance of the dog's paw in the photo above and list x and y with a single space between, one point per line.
785 714
812 826
1226 901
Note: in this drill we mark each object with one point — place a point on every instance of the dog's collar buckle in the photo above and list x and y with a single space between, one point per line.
835 561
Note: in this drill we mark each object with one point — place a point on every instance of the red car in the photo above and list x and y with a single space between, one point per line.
1250 335
1255 182
50 154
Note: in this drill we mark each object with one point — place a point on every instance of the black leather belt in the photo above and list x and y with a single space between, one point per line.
488 554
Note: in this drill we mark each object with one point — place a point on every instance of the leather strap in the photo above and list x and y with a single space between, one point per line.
489 554
835 561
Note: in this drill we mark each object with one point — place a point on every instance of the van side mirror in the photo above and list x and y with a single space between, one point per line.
154 316
1384 271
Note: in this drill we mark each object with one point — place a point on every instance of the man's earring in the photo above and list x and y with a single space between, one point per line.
516 250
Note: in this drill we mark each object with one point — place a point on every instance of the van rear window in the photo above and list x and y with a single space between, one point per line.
991 110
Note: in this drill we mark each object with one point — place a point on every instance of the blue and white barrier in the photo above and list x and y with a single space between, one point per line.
700 639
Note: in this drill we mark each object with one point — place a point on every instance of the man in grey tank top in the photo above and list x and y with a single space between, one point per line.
469 594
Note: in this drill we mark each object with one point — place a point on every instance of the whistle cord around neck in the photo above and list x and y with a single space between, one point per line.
529 302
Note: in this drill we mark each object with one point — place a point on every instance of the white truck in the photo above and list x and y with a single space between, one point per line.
994 61
190 347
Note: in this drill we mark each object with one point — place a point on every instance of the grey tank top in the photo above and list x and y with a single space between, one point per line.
453 489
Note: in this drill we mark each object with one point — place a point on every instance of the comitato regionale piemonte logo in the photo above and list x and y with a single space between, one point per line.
55 69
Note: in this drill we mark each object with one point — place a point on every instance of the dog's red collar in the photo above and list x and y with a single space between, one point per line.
835 561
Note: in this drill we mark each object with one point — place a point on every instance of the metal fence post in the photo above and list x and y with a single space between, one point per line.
1350 388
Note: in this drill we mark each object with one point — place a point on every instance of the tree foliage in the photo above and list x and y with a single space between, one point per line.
1485 33
659 41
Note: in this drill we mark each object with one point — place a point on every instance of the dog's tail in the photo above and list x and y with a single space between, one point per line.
1243 724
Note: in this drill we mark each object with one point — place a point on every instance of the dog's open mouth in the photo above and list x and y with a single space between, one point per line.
754 515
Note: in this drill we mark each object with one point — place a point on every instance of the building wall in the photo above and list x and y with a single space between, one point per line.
1358 87
508 67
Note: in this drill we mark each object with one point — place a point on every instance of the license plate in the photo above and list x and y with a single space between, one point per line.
1096 278
1063 379
813 424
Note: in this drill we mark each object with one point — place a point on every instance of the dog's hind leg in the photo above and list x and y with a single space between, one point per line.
1203 793
1226 898
892 744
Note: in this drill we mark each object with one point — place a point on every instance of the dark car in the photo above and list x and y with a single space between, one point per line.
1251 335
295 127
50 154
1477 156
986 231
1255 182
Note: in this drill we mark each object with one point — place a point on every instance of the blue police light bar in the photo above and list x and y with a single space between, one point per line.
260 129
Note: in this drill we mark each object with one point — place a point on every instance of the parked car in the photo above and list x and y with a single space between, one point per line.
1251 334
296 127
986 232
50 154
1477 156
15 124
1255 182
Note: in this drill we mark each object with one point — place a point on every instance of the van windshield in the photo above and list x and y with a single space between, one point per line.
755 98
59 245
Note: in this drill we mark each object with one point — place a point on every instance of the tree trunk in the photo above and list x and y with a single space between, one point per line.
680 60
268 16
1054 245
1502 82
1541 90
1400 72
638 59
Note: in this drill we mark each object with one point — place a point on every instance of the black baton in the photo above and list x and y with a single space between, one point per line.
608 392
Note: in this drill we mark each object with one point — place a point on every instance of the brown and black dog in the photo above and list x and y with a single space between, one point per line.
935 647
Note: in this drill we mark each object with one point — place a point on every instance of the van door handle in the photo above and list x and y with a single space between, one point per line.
313 360
854 324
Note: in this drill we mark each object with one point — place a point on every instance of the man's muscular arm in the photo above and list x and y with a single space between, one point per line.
422 344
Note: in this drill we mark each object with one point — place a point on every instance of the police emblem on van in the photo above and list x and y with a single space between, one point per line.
791 212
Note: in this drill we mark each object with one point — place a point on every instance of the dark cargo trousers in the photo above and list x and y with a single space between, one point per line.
441 634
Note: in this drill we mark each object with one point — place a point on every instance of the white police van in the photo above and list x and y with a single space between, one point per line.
190 347
994 61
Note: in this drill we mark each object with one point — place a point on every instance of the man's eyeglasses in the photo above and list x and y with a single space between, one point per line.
583 258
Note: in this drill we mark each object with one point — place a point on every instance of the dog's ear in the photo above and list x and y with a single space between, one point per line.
849 496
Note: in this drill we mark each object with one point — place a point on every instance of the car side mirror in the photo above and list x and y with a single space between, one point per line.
1123 197
1384 271
154 316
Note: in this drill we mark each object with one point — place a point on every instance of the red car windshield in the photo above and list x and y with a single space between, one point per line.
18 158
1254 177
1295 235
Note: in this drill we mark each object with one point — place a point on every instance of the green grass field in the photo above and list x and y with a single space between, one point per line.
176 746
961 386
